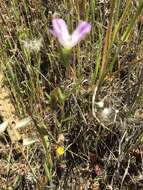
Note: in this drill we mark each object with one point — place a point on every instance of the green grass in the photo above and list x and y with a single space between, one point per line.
103 67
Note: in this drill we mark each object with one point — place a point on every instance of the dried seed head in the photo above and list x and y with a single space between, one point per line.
100 104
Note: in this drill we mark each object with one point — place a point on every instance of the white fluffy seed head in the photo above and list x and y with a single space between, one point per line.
32 45
106 113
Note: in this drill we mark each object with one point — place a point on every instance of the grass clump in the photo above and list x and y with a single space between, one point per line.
87 115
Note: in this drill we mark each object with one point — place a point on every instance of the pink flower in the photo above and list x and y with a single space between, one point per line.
60 31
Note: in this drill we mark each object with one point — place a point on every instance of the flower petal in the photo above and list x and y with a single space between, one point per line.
80 32
60 150
60 30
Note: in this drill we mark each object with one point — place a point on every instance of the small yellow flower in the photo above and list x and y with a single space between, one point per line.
60 150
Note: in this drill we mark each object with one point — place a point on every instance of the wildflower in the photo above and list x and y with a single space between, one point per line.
60 31
60 150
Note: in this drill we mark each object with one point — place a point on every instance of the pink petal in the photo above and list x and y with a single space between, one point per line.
60 30
80 32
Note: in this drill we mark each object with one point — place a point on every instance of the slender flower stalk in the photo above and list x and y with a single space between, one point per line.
68 41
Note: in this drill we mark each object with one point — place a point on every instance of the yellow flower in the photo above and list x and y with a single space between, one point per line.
60 150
